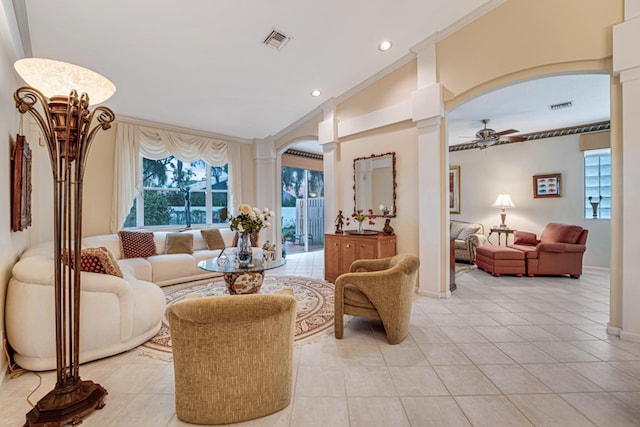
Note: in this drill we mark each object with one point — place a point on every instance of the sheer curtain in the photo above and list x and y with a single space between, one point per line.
133 140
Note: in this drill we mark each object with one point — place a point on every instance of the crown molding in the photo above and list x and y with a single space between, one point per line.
140 122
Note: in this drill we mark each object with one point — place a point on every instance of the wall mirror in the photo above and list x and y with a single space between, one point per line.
374 184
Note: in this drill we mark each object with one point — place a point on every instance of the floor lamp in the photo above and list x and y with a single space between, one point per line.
65 122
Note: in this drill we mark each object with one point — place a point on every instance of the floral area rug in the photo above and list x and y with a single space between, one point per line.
314 312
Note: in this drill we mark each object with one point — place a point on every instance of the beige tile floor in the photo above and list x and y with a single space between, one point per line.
500 352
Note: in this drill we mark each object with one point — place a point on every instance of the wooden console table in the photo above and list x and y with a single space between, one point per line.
340 250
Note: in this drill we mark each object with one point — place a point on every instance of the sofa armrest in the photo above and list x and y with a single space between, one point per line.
473 241
560 247
369 265
477 240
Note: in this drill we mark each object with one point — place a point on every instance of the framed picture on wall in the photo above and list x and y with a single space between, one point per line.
21 185
454 189
547 185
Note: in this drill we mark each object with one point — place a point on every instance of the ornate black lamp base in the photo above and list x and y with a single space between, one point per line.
60 407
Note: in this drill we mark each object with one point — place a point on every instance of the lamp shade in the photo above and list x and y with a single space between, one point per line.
503 201
53 77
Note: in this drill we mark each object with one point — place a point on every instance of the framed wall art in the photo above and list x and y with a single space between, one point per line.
454 189
547 185
21 185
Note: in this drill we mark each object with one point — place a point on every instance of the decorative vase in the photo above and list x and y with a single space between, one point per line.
360 227
244 254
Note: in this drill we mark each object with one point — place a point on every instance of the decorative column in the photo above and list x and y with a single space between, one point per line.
328 139
625 292
265 158
433 176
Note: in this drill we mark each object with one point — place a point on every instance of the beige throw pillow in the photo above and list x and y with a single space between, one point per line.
213 238
179 243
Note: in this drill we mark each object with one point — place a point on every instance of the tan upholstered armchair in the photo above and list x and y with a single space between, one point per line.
558 251
378 289
232 356
467 237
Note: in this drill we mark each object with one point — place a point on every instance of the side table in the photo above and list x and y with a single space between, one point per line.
500 231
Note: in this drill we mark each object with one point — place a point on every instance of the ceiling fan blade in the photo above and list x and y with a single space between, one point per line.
506 132
513 138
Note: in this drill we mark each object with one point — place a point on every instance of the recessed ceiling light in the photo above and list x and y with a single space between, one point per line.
315 92
384 46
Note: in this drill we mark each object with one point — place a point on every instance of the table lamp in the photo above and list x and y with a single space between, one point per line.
503 201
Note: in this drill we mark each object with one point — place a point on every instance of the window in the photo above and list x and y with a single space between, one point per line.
597 184
180 193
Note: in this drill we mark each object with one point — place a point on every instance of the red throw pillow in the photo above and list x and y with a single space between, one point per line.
98 260
525 238
136 244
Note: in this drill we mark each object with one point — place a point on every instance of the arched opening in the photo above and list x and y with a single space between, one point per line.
301 195
540 126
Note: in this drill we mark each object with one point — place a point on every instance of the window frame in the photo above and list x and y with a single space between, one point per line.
603 189
139 201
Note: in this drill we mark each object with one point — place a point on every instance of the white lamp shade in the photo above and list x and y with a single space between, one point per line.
503 201
53 77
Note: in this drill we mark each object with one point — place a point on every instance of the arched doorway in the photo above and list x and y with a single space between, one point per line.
302 196
541 124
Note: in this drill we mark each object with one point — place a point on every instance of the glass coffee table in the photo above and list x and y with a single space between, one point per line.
242 280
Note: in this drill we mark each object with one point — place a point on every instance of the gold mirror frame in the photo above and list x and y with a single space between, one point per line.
393 211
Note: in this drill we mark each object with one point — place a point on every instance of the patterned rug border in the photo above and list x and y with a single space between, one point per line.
312 321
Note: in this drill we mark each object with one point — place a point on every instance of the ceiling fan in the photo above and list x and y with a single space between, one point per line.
487 137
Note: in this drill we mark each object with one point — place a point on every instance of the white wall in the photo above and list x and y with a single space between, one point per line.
11 244
509 169
402 139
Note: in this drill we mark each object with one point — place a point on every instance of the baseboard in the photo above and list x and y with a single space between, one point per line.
629 336
612 330
438 295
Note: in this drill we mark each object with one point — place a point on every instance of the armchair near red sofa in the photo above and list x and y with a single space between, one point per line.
558 251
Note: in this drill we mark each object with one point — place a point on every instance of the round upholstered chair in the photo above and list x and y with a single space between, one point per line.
232 356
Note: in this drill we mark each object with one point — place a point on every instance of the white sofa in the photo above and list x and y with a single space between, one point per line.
164 269
116 314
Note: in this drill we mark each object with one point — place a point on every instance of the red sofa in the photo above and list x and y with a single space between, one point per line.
558 251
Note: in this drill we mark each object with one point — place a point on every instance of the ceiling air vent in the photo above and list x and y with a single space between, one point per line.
276 39
561 106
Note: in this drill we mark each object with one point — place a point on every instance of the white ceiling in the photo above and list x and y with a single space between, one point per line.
201 64
524 106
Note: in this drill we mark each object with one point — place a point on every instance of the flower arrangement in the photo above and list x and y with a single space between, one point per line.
251 220
360 216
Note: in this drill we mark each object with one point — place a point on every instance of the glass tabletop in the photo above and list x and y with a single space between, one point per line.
258 264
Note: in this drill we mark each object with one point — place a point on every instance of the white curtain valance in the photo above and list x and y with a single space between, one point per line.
133 140
157 144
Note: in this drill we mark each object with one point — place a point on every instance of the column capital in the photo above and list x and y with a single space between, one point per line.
329 147
429 123
427 103
264 149
328 130
626 56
